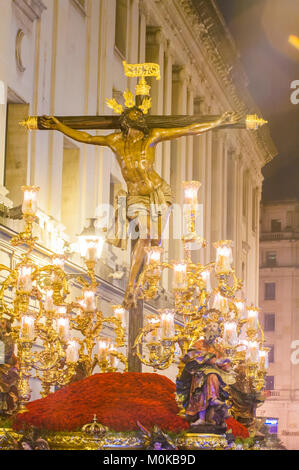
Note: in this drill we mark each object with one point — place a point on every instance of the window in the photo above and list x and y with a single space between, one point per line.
271 353
271 258
270 290
275 225
269 382
121 26
269 322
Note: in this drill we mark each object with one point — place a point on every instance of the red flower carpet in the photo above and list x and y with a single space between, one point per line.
119 400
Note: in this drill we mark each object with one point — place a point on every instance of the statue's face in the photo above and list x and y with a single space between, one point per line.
26 446
135 115
134 119
212 332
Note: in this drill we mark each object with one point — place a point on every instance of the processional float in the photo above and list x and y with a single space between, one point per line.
171 335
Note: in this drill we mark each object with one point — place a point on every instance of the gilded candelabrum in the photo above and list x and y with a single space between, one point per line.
54 336
197 303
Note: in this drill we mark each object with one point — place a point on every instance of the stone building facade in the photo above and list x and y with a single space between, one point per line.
279 302
64 57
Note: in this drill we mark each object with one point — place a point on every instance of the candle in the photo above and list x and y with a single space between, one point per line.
114 361
224 257
72 351
240 305
24 278
243 344
220 303
29 206
205 275
91 247
91 250
253 323
103 347
62 324
119 313
153 259
180 276
154 254
89 300
49 303
167 323
264 361
252 353
154 334
27 328
230 336
190 191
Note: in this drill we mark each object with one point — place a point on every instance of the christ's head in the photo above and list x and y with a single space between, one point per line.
133 118
211 332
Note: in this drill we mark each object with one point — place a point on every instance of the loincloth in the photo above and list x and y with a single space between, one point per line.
144 210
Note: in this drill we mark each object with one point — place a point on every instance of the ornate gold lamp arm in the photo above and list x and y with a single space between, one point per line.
122 358
223 284
157 359
119 330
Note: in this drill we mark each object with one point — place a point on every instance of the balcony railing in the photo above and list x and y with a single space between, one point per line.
279 236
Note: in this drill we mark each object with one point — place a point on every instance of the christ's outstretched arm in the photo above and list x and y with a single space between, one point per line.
160 135
52 123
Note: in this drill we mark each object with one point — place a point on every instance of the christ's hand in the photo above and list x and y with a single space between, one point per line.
230 118
50 122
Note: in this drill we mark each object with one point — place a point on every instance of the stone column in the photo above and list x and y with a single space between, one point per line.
190 140
224 188
167 157
208 196
199 174
167 109
231 217
179 105
239 215
217 186
155 45
178 155
257 240
142 37
133 31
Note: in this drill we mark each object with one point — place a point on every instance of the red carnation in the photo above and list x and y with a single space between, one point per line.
237 428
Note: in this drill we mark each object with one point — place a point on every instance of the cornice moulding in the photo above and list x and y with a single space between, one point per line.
207 25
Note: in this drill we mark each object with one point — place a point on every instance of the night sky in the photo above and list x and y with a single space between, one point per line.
261 29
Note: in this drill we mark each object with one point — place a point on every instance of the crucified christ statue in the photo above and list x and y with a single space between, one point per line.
134 147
